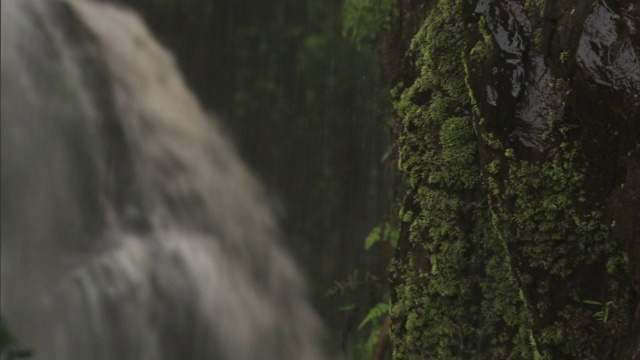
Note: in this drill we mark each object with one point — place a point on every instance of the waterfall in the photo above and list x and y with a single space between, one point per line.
130 228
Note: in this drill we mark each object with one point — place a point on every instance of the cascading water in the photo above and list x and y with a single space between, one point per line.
130 228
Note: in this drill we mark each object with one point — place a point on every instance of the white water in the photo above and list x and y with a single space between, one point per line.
130 228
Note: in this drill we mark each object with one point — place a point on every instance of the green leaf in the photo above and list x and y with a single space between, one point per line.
347 307
391 234
375 313
382 232
591 302
373 237
386 154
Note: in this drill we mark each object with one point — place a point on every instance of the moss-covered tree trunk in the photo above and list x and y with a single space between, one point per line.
520 142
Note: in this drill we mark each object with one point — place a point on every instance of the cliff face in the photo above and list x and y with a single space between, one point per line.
520 142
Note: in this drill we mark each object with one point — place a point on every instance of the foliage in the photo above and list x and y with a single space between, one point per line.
373 325
364 21
375 313
383 232
602 315
307 111
352 283
365 349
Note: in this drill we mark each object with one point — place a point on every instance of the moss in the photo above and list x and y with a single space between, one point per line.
501 245
435 309
554 238
535 8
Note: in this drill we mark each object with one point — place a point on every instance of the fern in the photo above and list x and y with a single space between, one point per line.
373 237
602 315
365 20
375 313
351 284
383 232
365 349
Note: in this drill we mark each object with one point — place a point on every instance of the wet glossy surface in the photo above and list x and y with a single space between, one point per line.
521 78
524 91
608 58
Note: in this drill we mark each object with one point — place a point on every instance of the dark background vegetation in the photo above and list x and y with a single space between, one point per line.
305 102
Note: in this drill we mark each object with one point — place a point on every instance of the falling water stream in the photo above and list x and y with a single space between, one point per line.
130 228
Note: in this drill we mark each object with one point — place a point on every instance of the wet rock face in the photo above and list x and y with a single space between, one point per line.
581 40
519 79
529 246
605 54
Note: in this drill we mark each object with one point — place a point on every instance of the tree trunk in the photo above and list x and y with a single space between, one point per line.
520 142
